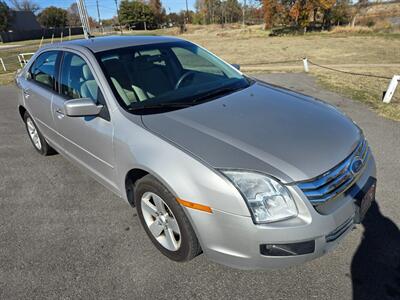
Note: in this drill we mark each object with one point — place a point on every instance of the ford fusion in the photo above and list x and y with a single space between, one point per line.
250 174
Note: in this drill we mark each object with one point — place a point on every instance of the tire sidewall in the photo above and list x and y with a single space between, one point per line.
152 185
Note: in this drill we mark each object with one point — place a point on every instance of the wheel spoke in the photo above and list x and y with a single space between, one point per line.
170 239
156 228
173 224
30 126
149 208
160 221
159 203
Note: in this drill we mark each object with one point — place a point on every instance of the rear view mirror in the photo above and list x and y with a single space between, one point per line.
81 107
236 66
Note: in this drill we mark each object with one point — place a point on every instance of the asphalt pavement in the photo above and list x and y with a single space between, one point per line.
64 236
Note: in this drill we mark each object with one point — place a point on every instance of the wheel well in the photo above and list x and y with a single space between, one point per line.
22 111
131 178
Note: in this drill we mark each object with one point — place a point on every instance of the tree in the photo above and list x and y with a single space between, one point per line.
158 11
53 17
25 5
342 12
274 13
174 18
73 15
218 11
134 12
4 16
300 13
233 11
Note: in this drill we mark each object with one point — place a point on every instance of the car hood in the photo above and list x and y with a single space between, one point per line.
262 128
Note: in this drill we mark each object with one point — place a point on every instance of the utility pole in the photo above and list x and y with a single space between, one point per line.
119 19
84 18
244 12
98 15
144 20
187 12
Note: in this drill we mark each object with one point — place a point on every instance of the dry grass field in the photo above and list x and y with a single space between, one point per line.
256 52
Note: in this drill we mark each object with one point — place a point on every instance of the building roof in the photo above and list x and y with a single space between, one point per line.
23 20
99 44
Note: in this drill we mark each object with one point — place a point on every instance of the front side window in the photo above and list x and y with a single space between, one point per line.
167 76
77 80
44 68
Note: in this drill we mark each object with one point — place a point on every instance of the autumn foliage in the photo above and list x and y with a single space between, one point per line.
301 13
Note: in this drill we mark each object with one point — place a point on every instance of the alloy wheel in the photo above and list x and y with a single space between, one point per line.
160 221
33 133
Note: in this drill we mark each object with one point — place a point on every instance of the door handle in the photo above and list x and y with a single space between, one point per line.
26 92
60 113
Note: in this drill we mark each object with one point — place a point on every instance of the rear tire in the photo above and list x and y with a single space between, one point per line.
165 221
37 139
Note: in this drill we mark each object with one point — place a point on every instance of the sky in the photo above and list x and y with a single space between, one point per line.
107 7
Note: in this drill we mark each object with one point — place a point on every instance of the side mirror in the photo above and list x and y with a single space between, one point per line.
236 66
81 107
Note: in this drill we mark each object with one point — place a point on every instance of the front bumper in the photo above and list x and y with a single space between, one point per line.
236 241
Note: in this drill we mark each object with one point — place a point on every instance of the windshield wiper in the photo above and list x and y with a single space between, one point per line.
159 105
215 93
203 97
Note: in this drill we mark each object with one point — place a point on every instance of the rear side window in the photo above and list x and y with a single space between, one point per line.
77 81
44 69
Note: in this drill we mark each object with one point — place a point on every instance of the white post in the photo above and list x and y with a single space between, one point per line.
20 61
69 31
2 63
391 89
23 59
52 38
305 64
62 33
41 42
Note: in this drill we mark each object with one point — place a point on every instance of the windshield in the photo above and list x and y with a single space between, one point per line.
167 76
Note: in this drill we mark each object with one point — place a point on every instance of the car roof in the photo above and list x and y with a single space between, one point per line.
98 44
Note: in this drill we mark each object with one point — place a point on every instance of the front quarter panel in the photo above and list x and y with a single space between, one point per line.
185 176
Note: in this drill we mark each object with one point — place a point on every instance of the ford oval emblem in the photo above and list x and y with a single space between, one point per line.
356 165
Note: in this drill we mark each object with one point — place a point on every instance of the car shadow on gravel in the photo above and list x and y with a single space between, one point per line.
375 269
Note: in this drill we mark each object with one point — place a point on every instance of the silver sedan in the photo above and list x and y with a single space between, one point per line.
250 174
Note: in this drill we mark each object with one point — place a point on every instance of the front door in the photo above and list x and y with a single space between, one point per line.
87 140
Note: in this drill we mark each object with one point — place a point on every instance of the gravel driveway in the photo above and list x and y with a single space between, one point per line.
62 235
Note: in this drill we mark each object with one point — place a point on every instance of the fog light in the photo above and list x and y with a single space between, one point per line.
287 249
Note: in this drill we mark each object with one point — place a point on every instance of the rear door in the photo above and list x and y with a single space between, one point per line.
39 88
87 140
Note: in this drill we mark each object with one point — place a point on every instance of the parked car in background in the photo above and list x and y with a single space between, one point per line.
251 174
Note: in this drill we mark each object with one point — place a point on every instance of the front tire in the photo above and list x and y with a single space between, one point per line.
165 221
37 139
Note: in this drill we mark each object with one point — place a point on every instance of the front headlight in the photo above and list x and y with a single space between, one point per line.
267 199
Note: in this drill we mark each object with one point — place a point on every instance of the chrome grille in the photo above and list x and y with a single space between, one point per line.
337 180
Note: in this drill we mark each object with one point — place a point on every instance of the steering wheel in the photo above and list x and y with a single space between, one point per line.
183 78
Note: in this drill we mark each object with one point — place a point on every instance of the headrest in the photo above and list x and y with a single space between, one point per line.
113 66
146 61
87 74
